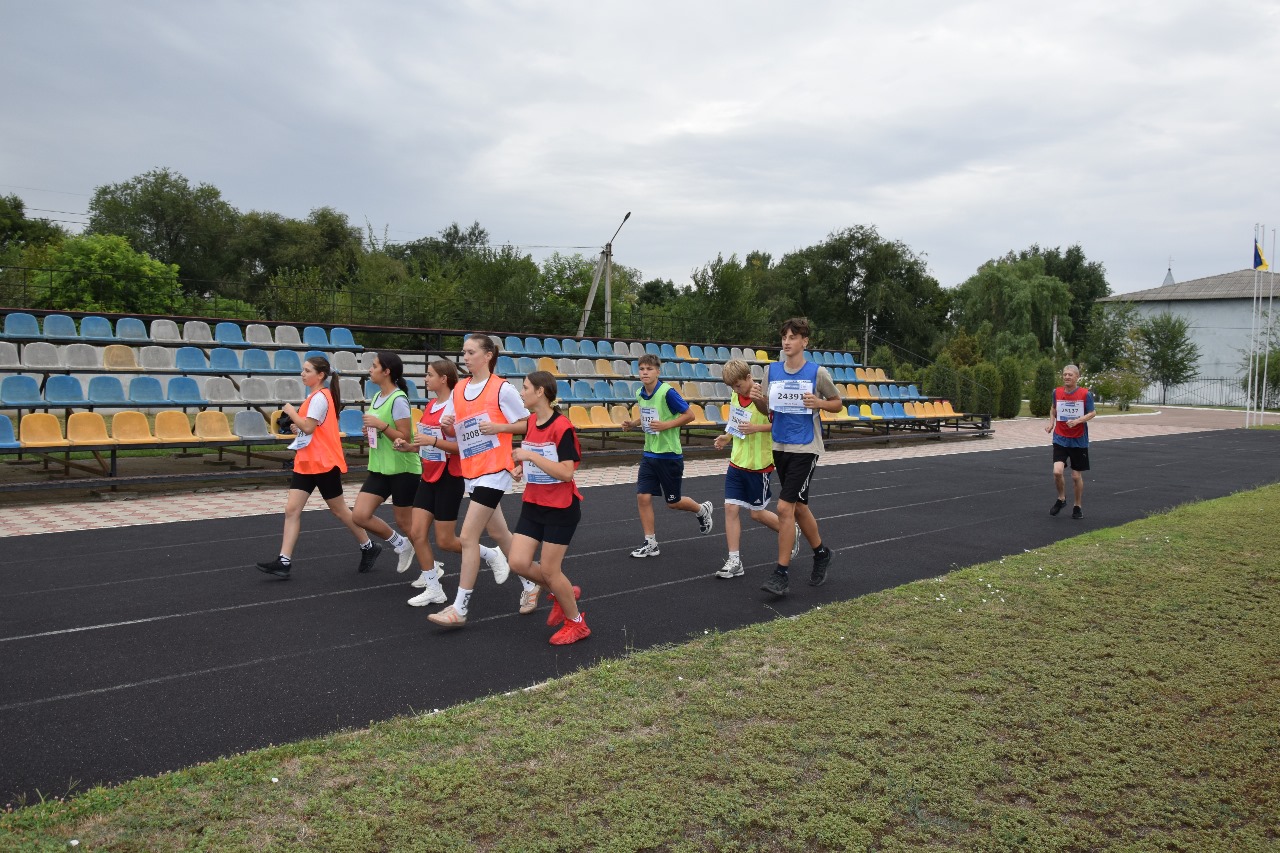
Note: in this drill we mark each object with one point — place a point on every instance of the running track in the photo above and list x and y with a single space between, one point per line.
138 649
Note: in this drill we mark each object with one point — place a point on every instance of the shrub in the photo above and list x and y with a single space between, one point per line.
1011 389
1042 385
987 387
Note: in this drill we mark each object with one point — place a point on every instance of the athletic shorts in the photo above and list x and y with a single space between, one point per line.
329 483
1077 456
486 496
660 477
441 498
401 488
752 489
795 470
554 525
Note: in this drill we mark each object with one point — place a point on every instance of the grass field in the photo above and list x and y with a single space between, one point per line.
1118 690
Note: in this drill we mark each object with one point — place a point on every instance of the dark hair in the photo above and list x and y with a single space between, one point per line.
322 366
544 380
650 359
392 363
486 343
447 369
796 326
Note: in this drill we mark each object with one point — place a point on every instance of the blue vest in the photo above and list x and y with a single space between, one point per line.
793 429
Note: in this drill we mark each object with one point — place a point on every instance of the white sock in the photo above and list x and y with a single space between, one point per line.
397 541
652 540
366 545
736 556
461 601
285 560
486 553
529 586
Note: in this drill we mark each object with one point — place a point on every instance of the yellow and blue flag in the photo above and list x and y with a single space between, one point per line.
1259 262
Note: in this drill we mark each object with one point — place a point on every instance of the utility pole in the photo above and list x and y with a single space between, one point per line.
603 265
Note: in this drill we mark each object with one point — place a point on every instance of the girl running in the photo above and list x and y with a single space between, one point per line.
319 463
487 411
439 492
393 472
552 505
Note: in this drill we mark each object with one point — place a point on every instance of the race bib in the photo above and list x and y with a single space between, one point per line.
471 441
786 396
300 441
738 418
432 453
1069 410
373 437
534 474
648 414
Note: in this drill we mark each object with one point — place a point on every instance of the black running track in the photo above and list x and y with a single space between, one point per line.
133 651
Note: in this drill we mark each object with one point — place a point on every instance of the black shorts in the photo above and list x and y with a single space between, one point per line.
795 470
1077 456
329 483
401 488
442 498
486 496
660 477
554 525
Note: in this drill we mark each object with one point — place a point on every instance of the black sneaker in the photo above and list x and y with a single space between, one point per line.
369 556
275 567
1057 507
777 584
821 560
1076 512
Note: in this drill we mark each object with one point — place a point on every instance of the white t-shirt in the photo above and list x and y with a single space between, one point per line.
319 408
513 410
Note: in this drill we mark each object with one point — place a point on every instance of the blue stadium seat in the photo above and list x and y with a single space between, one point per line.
583 391
551 347
351 423
701 371
564 391
667 351
848 360
183 391
132 329
513 345
808 356
314 353
257 361
145 392
635 367
602 391
228 335
854 412
107 391
371 389
604 349
60 327
7 440
506 366
878 412
342 338
96 329
569 346
190 360
315 337
669 370
21 326
899 411
20 392
696 352
64 391
722 353
287 361
913 392
587 349
415 396
686 369
893 393
525 365
533 347
224 360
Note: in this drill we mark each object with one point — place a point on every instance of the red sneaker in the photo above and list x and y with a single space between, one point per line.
571 632
556 616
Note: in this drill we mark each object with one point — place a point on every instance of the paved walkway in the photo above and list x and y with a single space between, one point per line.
237 502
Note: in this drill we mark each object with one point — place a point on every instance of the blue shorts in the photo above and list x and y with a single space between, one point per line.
660 477
747 488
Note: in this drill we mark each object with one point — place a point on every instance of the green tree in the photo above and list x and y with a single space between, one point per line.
1016 296
963 348
658 291
1042 385
988 388
1171 356
882 356
17 231
1011 381
1266 367
1112 334
162 215
102 272
725 300
1086 280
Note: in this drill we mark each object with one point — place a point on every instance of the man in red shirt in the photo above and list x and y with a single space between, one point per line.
1068 423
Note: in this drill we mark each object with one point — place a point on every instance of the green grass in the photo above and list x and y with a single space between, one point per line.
1118 690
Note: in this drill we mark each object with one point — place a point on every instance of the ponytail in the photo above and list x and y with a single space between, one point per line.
393 364
322 366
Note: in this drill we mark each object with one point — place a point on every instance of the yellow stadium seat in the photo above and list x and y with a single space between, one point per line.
618 414
213 426
600 417
548 364
682 352
131 428
88 428
41 429
880 377
699 416
118 357
415 415
861 374
826 416
761 355
604 367
174 427
579 417
865 411
947 411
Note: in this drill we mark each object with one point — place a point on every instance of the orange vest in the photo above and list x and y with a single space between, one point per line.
324 453
491 461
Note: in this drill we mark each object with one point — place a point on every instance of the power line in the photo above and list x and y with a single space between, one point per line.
42 190
68 212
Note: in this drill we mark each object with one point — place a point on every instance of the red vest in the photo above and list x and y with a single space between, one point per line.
1060 427
433 471
324 453
559 494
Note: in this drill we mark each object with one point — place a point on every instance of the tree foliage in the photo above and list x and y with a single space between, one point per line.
1086 281
1171 355
1016 296
988 389
1042 385
1011 382
102 272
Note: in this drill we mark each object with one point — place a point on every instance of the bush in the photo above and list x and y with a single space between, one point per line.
1120 387
987 387
882 356
1042 385
1010 388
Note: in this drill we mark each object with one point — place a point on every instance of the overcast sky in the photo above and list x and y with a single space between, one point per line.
1140 130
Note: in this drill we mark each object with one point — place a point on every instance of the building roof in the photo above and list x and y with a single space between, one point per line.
1231 285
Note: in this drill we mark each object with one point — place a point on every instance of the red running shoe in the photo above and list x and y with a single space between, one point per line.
556 616
571 632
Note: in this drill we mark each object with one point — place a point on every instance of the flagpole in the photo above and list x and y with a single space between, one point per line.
1253 336
1266 358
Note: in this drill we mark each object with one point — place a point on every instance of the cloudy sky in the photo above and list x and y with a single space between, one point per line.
1140 130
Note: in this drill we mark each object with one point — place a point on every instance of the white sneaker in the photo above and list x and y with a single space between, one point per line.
648 549
795 546
705 519
429 596
498 565
423 581
405 557
732 568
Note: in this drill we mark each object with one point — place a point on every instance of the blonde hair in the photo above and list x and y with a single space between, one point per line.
735 371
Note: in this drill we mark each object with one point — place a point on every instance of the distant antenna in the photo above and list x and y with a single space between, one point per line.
605 265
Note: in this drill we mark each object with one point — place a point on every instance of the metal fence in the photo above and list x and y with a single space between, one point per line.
1222 391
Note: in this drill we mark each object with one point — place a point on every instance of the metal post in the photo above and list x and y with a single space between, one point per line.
608 290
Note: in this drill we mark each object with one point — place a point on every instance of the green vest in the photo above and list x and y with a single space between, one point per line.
385 459
755 452
667 441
